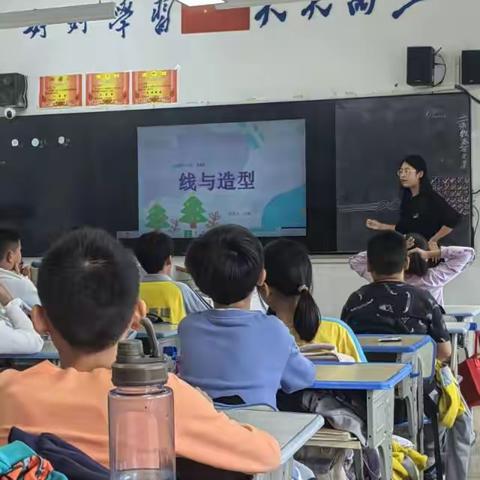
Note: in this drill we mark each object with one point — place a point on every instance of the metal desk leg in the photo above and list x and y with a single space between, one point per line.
407 391
380 427
454 359
420 409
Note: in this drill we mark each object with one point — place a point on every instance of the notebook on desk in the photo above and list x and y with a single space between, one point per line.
324 352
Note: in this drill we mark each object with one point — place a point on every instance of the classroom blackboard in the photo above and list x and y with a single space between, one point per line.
353 148
92 178
372 137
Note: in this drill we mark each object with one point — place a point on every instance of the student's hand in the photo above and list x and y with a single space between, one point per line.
433 245
435 252
410 243
373 224
5 297
423 253
26 271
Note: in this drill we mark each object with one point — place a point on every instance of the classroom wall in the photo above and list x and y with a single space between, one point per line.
326 57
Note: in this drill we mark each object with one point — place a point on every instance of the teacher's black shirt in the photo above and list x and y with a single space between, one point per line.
426 213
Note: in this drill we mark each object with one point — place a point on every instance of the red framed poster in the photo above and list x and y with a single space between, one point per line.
108 88
154 86
60 91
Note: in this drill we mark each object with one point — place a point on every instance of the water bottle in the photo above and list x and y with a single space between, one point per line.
141 422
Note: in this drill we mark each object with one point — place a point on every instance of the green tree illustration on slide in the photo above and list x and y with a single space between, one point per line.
157 217
193 212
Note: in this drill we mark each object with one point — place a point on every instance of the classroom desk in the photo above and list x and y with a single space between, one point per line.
378 380
167 334
48 352
463 312
420 352
455 329
291 430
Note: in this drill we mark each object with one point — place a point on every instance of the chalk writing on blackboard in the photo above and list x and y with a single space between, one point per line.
382 205
464 139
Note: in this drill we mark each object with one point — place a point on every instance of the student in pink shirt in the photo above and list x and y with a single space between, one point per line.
430 269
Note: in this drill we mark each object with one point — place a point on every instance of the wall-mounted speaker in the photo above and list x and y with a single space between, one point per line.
13 90
420 66
471 67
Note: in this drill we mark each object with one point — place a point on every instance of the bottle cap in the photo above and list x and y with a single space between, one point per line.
133 368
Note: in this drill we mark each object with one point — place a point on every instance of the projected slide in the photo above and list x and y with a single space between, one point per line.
194 177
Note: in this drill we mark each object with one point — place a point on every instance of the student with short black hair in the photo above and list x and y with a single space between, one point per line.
288 292
88 284
13 275
231 351
154 251
388 304
429 268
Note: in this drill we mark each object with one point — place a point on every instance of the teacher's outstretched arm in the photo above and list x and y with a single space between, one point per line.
376 225
443 232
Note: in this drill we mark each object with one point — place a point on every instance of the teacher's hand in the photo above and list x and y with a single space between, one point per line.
373 224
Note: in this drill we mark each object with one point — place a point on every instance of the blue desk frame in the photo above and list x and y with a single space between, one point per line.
380 403
421 354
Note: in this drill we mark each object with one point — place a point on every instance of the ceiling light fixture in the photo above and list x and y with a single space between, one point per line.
52 16
201 3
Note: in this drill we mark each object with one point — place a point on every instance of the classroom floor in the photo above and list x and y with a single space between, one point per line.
475 463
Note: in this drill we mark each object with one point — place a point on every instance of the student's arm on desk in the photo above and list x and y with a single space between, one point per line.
206 436
299 372
28 292
21 337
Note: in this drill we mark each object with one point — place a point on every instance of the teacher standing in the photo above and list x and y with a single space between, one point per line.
422 210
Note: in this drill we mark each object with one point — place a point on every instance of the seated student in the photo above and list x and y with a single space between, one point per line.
231 351
154 252
13 275
88 284
388 304
17 334
287 291
430 269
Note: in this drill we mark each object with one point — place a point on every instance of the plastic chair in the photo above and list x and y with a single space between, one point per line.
338 333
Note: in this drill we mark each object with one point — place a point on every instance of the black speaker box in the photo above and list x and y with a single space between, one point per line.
471 67
13 90
420 66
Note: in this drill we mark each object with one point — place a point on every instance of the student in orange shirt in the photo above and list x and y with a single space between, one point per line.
88 284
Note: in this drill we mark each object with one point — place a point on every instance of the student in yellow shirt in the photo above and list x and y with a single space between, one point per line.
287 291
88 284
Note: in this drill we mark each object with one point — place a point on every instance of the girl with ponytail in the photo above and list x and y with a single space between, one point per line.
288 292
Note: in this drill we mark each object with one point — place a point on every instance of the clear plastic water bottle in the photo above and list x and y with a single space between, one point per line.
141 421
